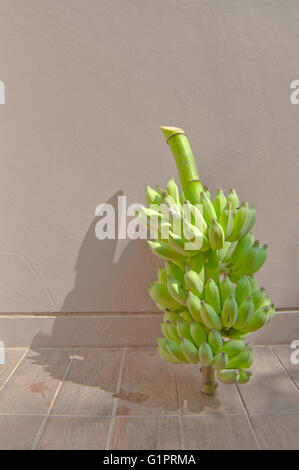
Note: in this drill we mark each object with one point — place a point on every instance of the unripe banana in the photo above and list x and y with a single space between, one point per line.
245 310
228 376
163 251
231 248
179 245
168 204
258 297
169 330
185 315
226 220
234 347
166 356
160 295
193 282
254 267
209 316
162 276
170 316
174 350
243 289
250 259
183 329
250 221
194 215
220 361
197 264
233 198
221 253
219 202
241 247
216 235
194 306
229 313
253 282
189 350
241 361
174 271
205 354
244 376
215 341
241 215
198 333
208 208
226 288
256 320
212 295
233 334
206 191
177 292
152 196
173 190
267 301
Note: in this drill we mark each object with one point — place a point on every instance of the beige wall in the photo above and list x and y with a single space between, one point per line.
88 82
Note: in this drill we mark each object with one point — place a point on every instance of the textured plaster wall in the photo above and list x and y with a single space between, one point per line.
88 82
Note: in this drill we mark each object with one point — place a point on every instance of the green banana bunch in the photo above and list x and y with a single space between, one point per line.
207 290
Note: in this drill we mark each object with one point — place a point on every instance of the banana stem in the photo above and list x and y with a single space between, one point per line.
208 385
184 159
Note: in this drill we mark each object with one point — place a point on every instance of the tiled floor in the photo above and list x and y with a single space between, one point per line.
130 399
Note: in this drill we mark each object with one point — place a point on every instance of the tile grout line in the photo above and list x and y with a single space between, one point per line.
42 426
115 399
248 418
180 410
14 369
284 368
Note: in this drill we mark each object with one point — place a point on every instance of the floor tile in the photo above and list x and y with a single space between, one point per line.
277 432
17 432
12 357
192 400
32 386
230 432
74 433
284 355
90 383
270 390
155 433
148 385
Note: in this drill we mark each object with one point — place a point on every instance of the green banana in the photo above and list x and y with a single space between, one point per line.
163 251
193 214
242 246
198 333
255 266
234 347
205 354
220 361
160 295
183 329
194 306
228 376
253 282
152 196
216 235
215 341
167 357
229 313
226 288
212 295
197 264
206 191
174 350
244 376
162 276
241 361
245 310
219 202
170 316
189 350
193 282
241 216
256 320
209 317
173 190
258 298
208 208
250 259
243 289
174 271
226 220
169 331
233 198
185 315
177 292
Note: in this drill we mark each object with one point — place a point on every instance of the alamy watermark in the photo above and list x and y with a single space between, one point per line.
295 354
294 97
2 353
161 222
